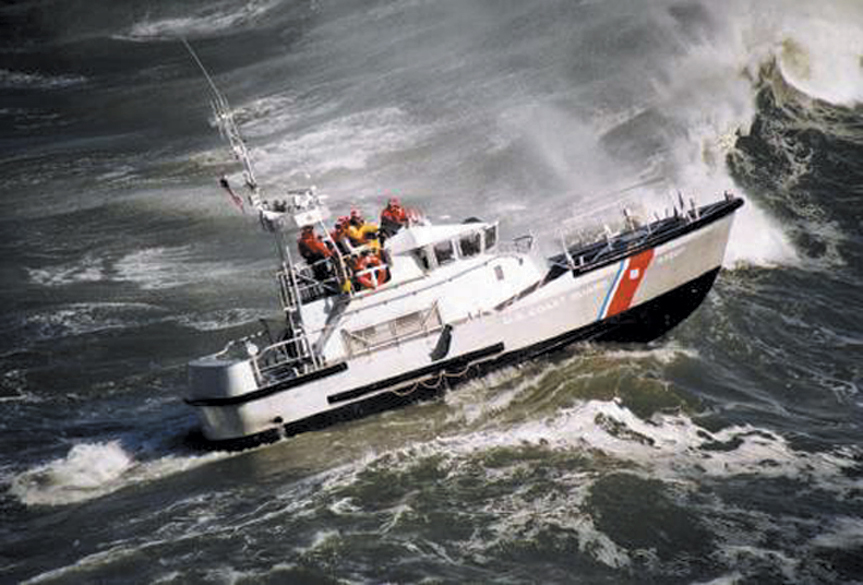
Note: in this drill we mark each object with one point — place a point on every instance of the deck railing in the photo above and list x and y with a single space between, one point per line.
392 332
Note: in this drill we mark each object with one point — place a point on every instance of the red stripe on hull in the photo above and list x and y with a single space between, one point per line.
629 282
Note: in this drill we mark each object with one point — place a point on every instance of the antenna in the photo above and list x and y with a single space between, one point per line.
305 208
229 130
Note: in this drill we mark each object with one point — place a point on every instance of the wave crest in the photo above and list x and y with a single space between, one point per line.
93 470
87 471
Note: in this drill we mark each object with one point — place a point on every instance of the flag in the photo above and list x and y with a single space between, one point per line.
238 201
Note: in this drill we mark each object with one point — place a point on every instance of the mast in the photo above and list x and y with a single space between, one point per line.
229 130
303 207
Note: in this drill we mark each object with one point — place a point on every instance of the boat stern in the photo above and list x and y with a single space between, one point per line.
213 390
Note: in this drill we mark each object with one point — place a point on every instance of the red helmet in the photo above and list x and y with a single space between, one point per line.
394 201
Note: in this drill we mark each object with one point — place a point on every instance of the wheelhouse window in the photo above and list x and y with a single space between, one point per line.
444 252
490 237
470 245
423 258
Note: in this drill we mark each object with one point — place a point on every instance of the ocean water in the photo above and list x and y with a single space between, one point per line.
727 452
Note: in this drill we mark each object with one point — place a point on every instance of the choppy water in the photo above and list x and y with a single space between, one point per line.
726 452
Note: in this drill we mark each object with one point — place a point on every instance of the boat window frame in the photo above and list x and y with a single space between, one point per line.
492 229
452 252
425 258
478 242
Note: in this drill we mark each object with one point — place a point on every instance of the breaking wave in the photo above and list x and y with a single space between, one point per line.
93 470
821 57
704 103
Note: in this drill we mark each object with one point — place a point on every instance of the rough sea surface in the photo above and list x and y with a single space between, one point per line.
727 452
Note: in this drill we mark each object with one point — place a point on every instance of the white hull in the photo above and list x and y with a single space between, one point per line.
233 403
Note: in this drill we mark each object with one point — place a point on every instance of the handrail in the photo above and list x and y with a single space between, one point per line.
359 338
283 359
395 338
520 245
236 342
610 248
309 283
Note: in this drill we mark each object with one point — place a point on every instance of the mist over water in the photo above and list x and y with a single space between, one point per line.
725 452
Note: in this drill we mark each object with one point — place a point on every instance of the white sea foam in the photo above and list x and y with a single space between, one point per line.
266 116
20 396
74 320
348 142
730 579
223 319
86 470
26 80
818 48
275 114
665 355
483 396
738 556
517 515
667 447
695 107
843 533
515 512
92 470
89 269
710 101
80 567
83 318
707 96
677 447
162 268
217 17
757 239
821 51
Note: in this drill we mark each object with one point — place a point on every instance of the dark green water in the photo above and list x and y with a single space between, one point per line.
725 452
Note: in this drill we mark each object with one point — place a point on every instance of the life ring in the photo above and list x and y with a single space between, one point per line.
372 274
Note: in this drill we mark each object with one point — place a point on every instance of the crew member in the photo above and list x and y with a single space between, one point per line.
363 233
393 217
314 252
339 235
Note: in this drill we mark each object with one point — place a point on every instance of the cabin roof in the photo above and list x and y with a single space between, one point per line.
414 237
